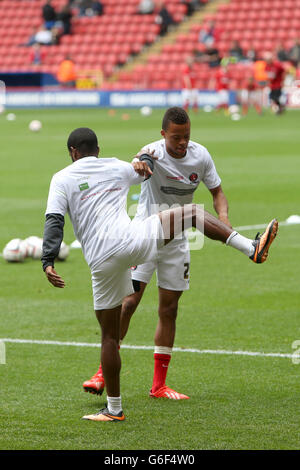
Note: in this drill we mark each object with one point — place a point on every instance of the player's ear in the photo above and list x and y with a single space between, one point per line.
72 152
162 132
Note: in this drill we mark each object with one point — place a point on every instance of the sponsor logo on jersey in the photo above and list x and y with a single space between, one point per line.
177 191
193 178
177 178
83 186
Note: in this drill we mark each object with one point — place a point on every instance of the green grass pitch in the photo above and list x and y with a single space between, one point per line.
237 402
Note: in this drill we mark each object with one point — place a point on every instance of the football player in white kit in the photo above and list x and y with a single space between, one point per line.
179 169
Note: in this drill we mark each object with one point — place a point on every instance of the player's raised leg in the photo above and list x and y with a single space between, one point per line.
174 221
109 321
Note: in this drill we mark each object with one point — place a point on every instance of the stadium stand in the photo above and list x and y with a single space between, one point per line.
256 24
107 42
97 42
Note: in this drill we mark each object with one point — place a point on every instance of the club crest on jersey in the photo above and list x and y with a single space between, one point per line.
193 177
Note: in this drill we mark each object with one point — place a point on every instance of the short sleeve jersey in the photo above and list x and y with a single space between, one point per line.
93 191
174 181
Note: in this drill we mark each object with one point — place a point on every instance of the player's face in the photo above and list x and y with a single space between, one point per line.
177 137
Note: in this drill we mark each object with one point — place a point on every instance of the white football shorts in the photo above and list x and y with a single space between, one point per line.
112 280
190 95
172 266
223 97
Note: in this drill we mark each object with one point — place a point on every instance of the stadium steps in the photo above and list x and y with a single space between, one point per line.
171 37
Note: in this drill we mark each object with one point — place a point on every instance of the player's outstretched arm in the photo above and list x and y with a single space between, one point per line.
220 205
53 236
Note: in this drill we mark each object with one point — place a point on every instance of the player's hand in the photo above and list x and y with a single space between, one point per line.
225 220
142 168
54 278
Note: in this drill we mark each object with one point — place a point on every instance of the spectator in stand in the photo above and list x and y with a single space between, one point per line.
164 19
97 8
66 74
49 15
44 36
64 17
251 55
192 6
210 34
37 55
275 73
189 89
236 52
294 54
282 53
146 7
90 8
212 56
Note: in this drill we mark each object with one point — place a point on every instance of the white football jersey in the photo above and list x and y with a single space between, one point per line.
175 180
94 193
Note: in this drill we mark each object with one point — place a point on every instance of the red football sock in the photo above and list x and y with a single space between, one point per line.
161 364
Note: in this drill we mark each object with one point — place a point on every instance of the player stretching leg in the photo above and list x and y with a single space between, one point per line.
94 192
180 168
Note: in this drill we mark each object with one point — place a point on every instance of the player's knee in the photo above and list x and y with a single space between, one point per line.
129 305
109 342
168 312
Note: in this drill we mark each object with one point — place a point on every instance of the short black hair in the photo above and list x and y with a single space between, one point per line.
84 140
177 115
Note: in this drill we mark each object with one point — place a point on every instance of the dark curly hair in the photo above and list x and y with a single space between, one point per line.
177 115
84 140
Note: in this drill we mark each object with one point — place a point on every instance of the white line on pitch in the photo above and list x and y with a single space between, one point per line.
250 227
128 346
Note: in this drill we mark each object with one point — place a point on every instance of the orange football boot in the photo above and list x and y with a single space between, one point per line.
105 415
263 242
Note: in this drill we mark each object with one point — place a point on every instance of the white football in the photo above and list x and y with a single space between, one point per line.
64 251
235 116
34 247
35 125
15 251
11 117
146 111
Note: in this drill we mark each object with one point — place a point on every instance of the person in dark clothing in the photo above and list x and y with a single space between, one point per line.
281 53
49 15
65 17
164 19
236 51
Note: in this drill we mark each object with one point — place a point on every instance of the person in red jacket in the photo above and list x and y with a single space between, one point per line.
221 86
275 73
189 88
